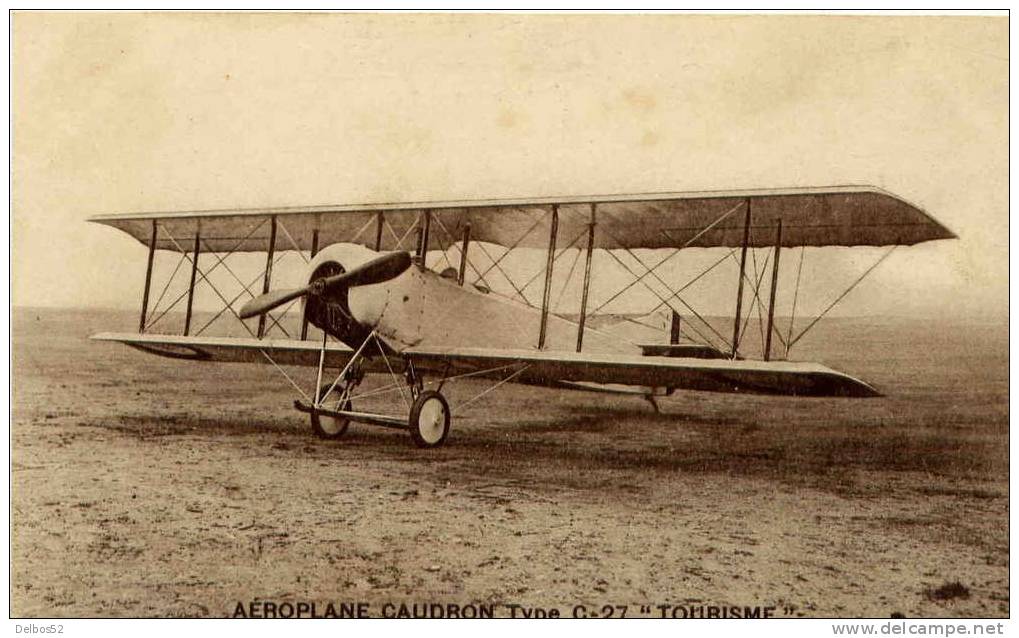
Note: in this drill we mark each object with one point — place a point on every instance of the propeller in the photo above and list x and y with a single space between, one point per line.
376 271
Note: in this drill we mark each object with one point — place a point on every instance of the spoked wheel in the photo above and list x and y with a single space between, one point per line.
330 427
429 419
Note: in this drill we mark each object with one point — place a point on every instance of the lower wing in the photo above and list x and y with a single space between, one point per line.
715 375
540 367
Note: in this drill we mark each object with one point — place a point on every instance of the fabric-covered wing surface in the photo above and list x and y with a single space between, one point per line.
537 367
823 219
732 376
232 349
834 216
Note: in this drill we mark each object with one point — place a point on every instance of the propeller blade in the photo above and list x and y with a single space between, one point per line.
264 303
375 271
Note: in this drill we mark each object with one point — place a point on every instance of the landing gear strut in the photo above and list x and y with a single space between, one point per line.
429 415
330 427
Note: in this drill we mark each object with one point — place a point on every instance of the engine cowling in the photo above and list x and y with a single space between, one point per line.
331 312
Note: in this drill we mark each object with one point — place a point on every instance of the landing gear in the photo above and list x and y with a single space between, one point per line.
429 419
330 427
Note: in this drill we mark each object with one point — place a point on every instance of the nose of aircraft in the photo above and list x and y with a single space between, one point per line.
378 270
339 271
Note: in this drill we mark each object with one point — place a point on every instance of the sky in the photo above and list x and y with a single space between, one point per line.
146 111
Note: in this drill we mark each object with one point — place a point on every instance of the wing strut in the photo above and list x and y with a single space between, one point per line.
148 278
185 256
587 277
739 292
650 269
675 328
267 280
194 272
314 251
549 264
379 221
465 243
425 223
774 289
464 261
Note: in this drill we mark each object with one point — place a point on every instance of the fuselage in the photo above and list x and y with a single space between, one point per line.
422 308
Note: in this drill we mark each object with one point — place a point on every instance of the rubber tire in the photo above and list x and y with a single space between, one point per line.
415 417
322 433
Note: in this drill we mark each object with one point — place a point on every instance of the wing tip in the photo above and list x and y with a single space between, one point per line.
849 386
941 231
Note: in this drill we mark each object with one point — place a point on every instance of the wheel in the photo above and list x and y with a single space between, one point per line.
429 419
329 427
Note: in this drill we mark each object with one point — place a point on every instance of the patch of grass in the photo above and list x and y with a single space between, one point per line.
959 492
948 591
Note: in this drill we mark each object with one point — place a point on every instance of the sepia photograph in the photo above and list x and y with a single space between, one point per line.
459 315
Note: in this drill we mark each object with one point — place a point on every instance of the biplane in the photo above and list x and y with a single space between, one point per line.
377 306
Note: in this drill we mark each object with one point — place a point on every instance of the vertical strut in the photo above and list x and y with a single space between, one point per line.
674 331
549 263
774 289
423 237
194 272
463 254
742 274
587 278
267 280
304 318
148 278
379 220
321 366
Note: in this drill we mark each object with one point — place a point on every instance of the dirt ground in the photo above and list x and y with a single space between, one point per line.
150 487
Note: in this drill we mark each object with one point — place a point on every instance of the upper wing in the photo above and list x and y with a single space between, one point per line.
532 366
833 216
